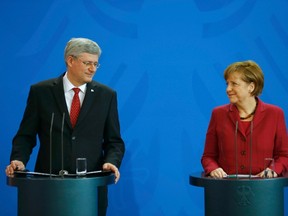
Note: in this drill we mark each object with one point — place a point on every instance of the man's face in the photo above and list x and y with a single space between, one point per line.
81 69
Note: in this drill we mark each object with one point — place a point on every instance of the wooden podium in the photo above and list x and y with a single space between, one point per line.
58 196
242 196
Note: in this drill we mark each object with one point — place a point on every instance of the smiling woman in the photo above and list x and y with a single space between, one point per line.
245 120
245 81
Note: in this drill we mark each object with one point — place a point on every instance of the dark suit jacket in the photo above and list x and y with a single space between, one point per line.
96 135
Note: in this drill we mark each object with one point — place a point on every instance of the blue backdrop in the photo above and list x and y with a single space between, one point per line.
166 60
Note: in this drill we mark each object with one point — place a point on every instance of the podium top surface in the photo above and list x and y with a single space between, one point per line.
199 179
93 180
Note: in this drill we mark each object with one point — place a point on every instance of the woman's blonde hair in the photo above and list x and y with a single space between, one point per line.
250 72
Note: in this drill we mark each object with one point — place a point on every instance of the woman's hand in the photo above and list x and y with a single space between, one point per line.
218 173
268 173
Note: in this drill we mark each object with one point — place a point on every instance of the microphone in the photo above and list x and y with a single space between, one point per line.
236 149
51 129
62 172
250 162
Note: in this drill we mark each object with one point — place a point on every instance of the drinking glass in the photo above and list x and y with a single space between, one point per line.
81 166
268 167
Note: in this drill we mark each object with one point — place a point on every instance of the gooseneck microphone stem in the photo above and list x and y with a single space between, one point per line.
51 129
236 149
250 165
62 145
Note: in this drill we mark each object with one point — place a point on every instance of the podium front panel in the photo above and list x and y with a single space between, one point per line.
58 196
255 196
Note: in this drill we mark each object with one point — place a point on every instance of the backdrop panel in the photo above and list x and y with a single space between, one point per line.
166 60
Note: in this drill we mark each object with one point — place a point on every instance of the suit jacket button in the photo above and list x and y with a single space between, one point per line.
73 138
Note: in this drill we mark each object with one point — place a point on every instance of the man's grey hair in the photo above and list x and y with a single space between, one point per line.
76 46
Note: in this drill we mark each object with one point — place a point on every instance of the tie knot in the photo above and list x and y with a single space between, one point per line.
76 90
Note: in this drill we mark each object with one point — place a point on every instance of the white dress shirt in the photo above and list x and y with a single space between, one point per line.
69 93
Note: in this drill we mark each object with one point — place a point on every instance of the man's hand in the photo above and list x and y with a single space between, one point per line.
14 165
113 168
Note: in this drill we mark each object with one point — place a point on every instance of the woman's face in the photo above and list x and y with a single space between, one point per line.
237 90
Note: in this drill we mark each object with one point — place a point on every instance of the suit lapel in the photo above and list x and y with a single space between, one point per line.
58 91
234 117
259 114
88 101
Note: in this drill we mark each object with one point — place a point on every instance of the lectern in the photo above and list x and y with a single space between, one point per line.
58 196
242 196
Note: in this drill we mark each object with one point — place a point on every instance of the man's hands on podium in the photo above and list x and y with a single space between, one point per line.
113 168
18 165
14 165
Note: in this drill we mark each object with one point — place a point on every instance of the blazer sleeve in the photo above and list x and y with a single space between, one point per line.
280 153
113 144
210 154
25 139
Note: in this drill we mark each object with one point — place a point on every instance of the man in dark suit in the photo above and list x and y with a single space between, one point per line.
94 135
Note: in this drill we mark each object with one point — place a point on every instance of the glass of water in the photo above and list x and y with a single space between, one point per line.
268 167
81 166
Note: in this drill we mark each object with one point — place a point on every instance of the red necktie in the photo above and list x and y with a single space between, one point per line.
75 107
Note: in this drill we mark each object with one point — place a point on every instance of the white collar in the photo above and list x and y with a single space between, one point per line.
68 86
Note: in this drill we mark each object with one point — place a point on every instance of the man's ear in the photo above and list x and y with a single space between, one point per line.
69 60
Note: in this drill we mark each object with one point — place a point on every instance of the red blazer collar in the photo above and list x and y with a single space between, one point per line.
259 113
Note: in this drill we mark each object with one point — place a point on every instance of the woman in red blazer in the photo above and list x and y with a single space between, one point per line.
243 135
